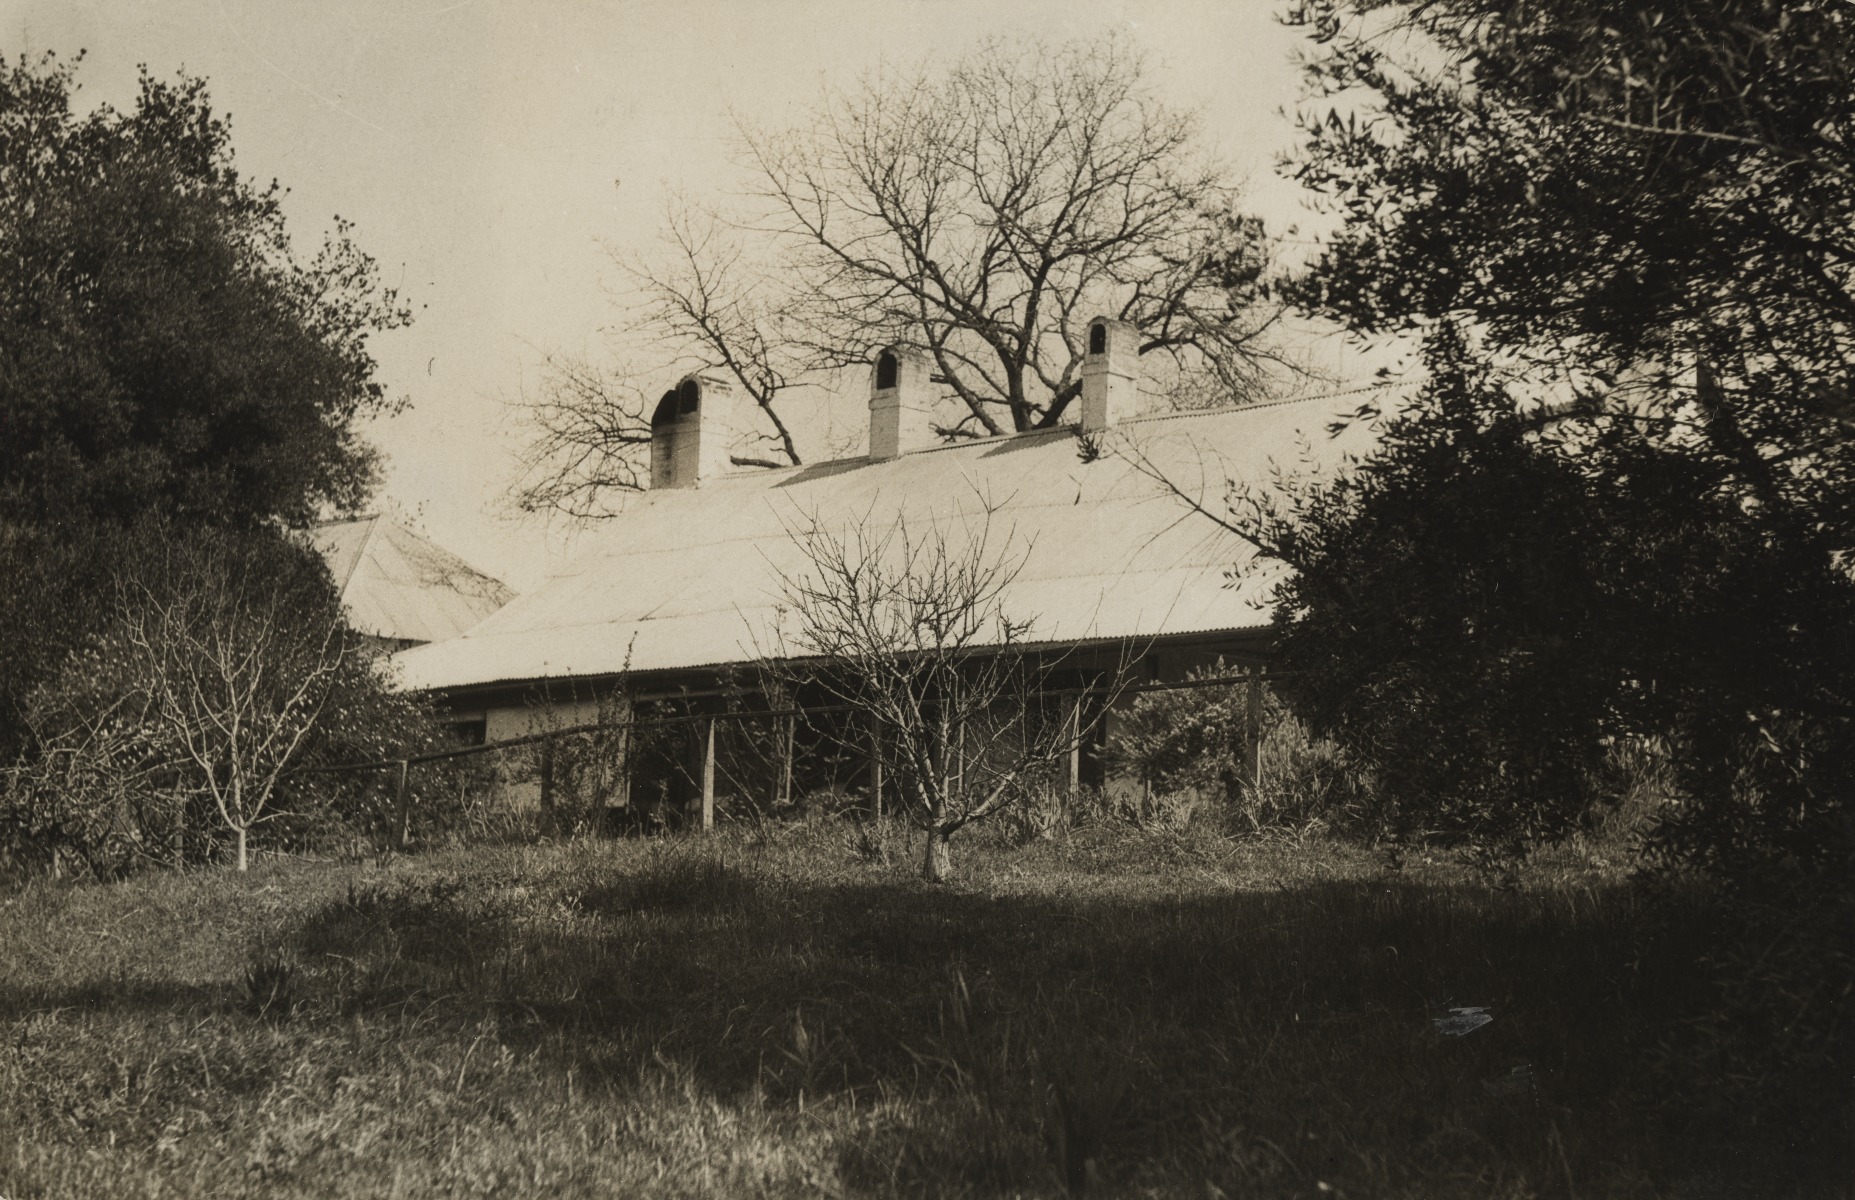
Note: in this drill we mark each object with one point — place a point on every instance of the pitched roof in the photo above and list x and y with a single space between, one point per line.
690 577
396 584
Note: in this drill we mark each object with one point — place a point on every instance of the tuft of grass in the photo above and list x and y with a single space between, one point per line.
270 989
673 878
1082 1102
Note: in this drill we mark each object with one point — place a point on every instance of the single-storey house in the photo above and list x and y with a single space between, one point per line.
680 594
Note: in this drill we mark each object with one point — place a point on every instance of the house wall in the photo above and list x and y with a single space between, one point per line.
662 776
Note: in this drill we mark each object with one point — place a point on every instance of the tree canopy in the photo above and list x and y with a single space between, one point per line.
166 359
1620 507
162 349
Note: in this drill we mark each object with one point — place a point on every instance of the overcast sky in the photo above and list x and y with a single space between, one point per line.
488 151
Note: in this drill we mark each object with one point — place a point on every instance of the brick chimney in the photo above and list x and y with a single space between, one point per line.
901 402
692 429
1110 374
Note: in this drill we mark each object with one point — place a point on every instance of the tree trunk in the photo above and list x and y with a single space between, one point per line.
937 865
244 861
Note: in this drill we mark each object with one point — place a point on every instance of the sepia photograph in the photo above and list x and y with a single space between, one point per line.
1200 599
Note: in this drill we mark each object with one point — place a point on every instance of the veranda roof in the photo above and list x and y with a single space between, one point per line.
691 577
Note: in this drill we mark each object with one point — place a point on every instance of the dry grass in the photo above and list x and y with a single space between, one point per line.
1119 1013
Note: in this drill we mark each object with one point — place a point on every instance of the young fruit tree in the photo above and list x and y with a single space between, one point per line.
220 664
238 674
908 627
231 655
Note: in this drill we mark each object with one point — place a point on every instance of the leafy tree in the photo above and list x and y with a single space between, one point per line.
1622 504
1602 185
162 348
982 212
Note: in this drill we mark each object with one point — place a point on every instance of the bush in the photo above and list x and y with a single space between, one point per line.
94 804
1193 742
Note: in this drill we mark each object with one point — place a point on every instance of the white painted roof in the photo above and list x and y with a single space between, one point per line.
690 577
395 584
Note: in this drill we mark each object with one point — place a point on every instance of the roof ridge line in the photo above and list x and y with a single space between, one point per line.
354 568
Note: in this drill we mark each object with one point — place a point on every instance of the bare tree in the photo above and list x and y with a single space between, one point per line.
982 212
221 663
235 677
987 212
910 629
708 307
588 426
588 441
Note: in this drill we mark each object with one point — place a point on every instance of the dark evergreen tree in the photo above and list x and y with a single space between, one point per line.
163 351
1622 505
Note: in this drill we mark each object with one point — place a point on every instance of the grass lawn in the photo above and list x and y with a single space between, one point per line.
778 1014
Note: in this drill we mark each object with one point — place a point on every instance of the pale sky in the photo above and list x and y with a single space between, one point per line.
488 151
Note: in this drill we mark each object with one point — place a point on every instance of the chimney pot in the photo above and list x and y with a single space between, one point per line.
901 402
692 431
1110 374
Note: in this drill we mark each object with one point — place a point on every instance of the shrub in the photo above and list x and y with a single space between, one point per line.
1193 741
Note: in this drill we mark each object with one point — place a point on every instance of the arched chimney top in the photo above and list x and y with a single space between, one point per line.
665 412
1112 339
901 402
692 428
1110 374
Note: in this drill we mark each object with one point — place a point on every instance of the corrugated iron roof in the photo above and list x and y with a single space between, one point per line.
395 584
690 577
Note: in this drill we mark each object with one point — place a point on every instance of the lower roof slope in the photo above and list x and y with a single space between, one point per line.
690 577
396 585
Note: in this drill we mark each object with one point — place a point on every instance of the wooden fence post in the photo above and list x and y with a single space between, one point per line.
708 778
1252 751
1073 767
547 785
621 770
786 748
876 771
876 782
402 803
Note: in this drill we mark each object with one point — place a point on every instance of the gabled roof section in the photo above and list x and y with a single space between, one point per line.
689 578
395 584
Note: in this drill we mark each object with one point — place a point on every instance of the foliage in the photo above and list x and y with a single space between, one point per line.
1621 506
221 665
163 351
1188 738
56 578
1603 185
983 212
1197 740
